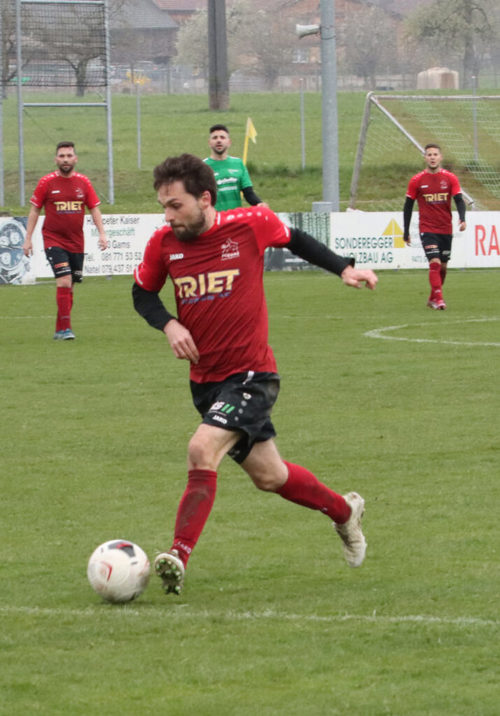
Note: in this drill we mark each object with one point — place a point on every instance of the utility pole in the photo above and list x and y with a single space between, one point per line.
218 80
330 132
329 115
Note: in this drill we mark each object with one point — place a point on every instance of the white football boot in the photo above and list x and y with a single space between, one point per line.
350 532
169 567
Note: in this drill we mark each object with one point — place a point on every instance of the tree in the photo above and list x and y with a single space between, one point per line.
462 28
264 39
8 44
259 41
54 34
369 42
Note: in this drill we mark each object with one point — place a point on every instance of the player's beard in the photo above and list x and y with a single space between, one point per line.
65 169
190 230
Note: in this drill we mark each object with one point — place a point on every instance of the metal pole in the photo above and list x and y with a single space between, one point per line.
302 125
474 118
19 74
359 154
138 107
2 193
329 105
109 124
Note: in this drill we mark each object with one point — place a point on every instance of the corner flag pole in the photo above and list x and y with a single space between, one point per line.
250 133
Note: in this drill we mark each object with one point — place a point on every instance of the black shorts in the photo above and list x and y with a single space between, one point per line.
65 262
437 246
242 403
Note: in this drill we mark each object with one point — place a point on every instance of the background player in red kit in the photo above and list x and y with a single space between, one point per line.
64 194
215 261
433 189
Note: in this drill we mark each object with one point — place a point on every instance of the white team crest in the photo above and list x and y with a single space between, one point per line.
230 250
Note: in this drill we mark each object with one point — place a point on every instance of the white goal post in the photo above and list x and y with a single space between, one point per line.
395 128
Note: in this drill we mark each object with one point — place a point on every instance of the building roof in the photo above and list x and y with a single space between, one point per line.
143 14
176 6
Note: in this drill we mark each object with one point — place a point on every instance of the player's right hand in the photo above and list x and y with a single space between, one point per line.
181 341
28 247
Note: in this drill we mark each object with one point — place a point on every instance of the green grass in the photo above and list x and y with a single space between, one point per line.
271 620
171 124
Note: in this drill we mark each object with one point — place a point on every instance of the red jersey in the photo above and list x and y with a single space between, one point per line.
64 199
219 291
433 193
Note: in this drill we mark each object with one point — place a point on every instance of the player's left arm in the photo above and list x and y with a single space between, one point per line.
251 197
311 250
460 204
97 219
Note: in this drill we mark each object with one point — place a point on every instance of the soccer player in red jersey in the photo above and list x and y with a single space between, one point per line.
64 194
433 189
215 261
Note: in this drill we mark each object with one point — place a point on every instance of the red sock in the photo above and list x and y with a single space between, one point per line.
64 302
193 511
435 279
443 273
303 488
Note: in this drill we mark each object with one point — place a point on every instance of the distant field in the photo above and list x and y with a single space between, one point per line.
171 124
271 622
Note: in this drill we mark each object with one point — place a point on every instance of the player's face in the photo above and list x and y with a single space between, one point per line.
433 158
219 142
186 214
66 160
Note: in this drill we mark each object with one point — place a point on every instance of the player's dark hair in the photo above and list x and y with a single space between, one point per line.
196 176
218 127
65 144
432 146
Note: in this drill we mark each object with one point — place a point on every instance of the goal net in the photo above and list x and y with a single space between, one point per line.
61 56
395 129
63 44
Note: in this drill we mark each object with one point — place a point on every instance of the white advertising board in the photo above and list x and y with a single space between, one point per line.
375 240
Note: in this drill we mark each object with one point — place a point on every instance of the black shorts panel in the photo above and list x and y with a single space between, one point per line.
65 262
437 246
241 403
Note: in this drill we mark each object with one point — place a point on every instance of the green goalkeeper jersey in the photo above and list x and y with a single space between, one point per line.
231 176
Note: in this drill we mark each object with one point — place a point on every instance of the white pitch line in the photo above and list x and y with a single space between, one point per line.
182 612
380 333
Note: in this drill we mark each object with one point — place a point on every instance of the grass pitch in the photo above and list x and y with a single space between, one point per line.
379 395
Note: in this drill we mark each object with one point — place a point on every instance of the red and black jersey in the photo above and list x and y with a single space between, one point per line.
219 292
64 200
433 192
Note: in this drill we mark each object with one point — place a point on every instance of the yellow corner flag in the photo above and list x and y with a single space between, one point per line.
250 133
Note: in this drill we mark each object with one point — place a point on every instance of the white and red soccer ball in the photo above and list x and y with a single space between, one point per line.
118 570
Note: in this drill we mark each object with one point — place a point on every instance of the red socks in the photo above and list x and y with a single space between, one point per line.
193 511
442 271
435 280
303 488
64 300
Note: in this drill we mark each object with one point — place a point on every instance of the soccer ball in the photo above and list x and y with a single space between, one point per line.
118 570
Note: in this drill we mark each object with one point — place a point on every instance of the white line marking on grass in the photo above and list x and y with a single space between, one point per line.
381 333
22 318
182 611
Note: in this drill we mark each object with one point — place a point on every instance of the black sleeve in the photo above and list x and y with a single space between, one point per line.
407 212
149 306
251 196
312 250
460 204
